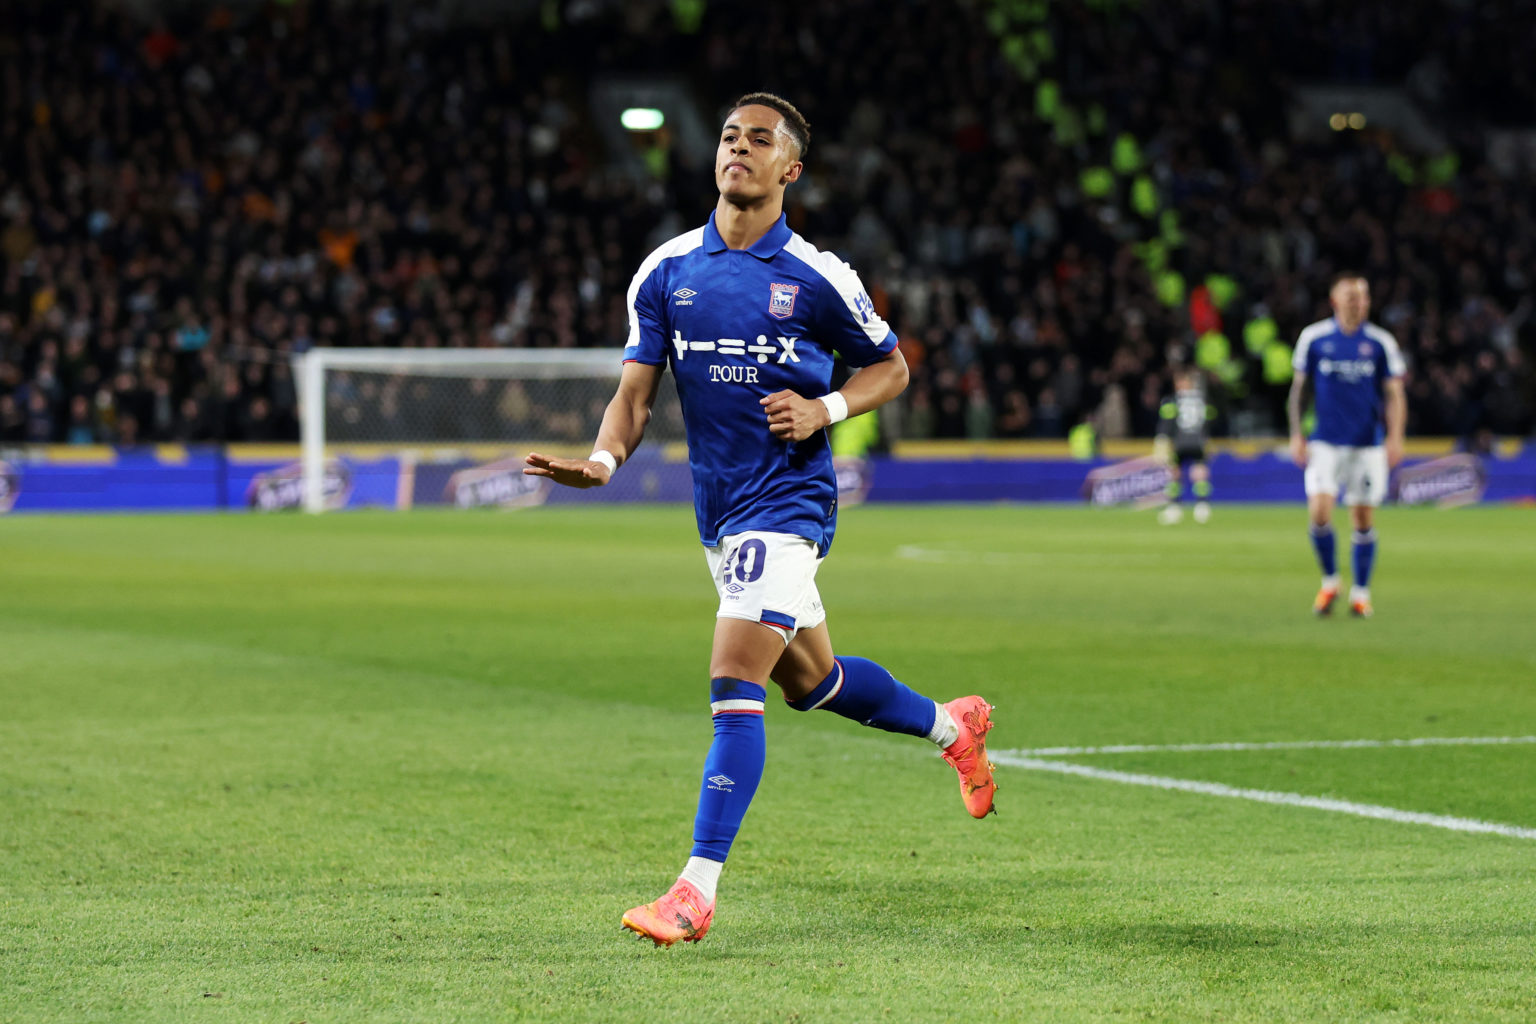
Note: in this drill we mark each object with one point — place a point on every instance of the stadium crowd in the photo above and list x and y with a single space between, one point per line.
1052 206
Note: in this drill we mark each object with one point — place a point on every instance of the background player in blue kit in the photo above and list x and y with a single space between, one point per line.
1356 372
748 315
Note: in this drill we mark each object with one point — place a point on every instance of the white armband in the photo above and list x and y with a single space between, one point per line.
604 456
837 406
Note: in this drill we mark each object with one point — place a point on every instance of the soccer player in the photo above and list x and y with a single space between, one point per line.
748 315
1181 430
1356 372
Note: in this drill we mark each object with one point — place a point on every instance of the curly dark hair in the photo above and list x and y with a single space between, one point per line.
795 121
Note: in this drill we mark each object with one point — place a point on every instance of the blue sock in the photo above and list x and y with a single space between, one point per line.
733 768
862 690
1322 543
1365 557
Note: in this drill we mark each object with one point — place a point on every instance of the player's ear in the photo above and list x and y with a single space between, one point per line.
792 173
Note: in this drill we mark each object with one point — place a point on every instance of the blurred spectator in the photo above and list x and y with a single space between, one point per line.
82 422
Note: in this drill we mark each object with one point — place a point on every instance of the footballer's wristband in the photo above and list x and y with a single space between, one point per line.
837 406
605 457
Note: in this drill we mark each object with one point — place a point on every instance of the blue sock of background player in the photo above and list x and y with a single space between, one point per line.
1364 558
1322 543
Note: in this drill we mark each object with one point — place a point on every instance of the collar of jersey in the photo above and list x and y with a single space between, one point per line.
764 248
1336 325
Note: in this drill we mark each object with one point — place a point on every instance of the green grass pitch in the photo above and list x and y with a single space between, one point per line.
413 767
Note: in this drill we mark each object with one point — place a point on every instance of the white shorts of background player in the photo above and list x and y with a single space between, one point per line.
1361 473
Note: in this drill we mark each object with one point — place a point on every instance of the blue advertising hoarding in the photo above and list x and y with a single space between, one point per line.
267 478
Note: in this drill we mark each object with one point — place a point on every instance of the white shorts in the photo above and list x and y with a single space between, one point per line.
1361 472
769 578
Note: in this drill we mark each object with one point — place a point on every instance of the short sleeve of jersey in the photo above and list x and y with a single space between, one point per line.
1396 367
647 342
846 318
1303 349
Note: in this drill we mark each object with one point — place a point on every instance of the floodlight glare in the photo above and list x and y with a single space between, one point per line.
1357 121
642 119
1337 122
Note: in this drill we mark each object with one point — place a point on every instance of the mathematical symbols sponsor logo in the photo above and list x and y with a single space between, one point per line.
761 349
1351 370
781 300
284 487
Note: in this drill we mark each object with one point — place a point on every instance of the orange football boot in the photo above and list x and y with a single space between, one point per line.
1323 604
681 914
968 754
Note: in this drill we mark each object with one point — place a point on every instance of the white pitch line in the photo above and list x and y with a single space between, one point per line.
1267 796
1170 748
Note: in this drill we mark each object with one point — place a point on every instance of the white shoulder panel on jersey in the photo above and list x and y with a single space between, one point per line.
846 281
1309 334
683 243
1395 365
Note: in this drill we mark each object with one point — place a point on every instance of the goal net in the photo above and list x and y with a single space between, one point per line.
407 427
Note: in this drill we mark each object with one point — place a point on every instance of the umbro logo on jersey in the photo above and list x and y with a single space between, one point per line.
685 296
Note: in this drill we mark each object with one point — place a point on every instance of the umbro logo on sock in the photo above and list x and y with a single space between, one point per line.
721 782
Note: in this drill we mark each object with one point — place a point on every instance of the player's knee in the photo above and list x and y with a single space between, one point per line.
805 692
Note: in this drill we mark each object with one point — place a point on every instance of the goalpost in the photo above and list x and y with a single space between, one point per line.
451 425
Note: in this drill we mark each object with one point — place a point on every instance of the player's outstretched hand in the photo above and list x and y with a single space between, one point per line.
792 418
570 472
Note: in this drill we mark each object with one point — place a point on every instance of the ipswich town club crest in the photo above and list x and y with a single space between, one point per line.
781 300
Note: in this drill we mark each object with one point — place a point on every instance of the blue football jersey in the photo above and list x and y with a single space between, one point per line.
738 324
1348 374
